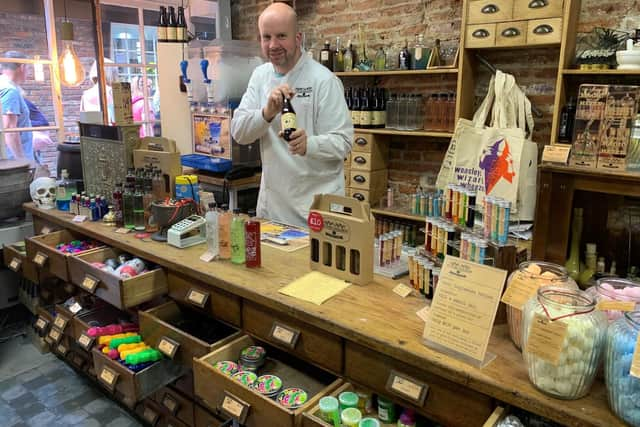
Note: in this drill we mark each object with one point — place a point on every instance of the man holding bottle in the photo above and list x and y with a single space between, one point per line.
311 160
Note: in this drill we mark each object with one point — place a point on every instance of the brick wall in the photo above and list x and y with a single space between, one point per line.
390 22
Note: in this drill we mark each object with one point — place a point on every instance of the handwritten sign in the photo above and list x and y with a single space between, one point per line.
605 305
546 338
519 291
557 153
402 290
407 387
284 334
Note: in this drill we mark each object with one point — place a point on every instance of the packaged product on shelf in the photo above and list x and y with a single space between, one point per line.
615 296
563 340
592 100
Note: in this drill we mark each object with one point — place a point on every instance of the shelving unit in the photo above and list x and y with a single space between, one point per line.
405 132
397 214
632 73
396 72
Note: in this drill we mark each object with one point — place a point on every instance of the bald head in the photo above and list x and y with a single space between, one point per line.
281 12
279 36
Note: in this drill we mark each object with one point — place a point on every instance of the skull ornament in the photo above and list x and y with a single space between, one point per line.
43 192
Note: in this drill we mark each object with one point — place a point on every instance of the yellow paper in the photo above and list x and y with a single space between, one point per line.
314 287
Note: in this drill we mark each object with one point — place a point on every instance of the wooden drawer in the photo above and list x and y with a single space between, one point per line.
544 31
361 195
368 161
121 293
537 9
430 394
170 421
377 145
347 162
204 418
150 412
170 328
131 386
366 180
512 33
61 348
487 11
312 418
178 406
63 320
308 342
42 251
78 358
480 36
44 320
220 393
101 316
218 303
15 258
42 226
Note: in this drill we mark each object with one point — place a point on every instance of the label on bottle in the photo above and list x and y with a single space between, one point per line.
324 55
61 192
418 53
546 338
606 305
635 362
162 33
180 34
383 414
288 121
376 118
365 118
355 117
172 34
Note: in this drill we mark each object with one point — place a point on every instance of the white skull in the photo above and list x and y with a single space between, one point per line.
43 192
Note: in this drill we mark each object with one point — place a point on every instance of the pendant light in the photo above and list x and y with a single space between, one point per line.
71 70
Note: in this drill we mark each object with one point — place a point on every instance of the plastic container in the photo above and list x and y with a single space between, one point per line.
348 399
330 409
386 410
187 187
615 289
369 422
623 389
582 346
351 417
544 274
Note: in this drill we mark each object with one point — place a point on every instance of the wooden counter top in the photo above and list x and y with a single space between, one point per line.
371 315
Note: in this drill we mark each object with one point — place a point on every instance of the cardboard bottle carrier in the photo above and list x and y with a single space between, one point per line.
162 153
341 230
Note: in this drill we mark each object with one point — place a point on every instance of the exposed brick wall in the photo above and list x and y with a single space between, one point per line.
390 22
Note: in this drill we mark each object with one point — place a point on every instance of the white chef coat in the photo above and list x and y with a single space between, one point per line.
289 182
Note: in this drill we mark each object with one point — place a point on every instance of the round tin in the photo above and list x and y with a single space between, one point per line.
245 377
268 385
253 354
292 398
247 367
227 367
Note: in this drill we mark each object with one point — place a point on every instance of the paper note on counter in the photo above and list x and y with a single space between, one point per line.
314 287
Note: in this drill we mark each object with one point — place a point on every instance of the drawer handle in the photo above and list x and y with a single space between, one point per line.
360 160
359 178
40 259
284 335
361 141
55 335
168 347
41 324
197 297
86 342
407 388
150 415
234 407
358 196
511 32
170 403
109 378
62 350
538 4
90 284
543 29
60 322
490 9
480 33
15 264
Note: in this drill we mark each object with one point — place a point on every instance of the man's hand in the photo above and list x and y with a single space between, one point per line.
274 103
297 142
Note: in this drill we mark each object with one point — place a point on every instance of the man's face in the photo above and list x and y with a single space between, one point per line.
20 74
279 41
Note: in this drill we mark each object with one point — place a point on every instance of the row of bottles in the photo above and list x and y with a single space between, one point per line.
367 107
233 236
132 201
170 27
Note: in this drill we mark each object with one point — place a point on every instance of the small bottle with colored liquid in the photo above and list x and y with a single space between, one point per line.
224 233
237 238
252 243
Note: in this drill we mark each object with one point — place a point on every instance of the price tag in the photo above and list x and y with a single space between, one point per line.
122 230
62 350
170 403
546 338
109 378
407 387
197 297
423 313
45 230
55 335
89 284
15 264
86 342
41 324
235 407
635 362
168 347
79 218
520 290
284 334
75 308
40 259
150 415
557 153
605 305
60 322
402 290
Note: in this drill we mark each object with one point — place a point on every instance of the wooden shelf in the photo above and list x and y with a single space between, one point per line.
632 73
404 132
396 73
396 214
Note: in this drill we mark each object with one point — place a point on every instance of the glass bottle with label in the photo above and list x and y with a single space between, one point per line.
325 56
348 57
355 108
162 24
338 57
288 119
404 58
65 188
436 55
224 233
237 238
211 218
172 25
365 109
253 258
380 62
138 206
420 54
567 118
181 27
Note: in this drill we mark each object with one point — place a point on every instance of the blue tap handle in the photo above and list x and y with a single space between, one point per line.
204 65
183 67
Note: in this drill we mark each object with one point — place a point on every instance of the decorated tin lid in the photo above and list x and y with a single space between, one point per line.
292 398
268 385
227 367
245 377
242 366
253 353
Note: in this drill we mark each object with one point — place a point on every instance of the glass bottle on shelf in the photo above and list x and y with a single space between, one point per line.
224 233
172 25
355 107
325 56
383 107
392 57
573 263
181 27
392 112
403 111
348 58
380 62
420 54
404 58
211 227
419 113
338 57
365 109
567 118
436 55
451 112
309 51
162 24
252 241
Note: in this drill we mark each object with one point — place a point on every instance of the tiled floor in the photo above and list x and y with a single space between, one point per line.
40 390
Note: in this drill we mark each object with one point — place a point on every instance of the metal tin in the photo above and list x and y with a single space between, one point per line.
253 354
268 385
292 398
247 378
226 367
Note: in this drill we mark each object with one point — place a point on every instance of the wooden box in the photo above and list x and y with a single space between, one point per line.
215 302
486 11
544 31
121 293
480 36
298 338
42 251
228 397
527 9
16 259
513 33
161 329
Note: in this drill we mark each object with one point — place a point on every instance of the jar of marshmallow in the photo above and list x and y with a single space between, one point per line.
623 389
575 330
619 290
542 274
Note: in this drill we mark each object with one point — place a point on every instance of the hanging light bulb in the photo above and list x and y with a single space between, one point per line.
71 70
38 69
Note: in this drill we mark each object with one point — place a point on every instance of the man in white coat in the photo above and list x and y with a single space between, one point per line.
311 162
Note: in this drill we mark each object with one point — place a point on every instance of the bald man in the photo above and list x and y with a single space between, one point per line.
312 161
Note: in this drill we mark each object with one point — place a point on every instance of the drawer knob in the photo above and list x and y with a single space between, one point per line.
511 32
15 264
543 29
538 4
361 141
480 33
361 160
359 178
359 196
490 9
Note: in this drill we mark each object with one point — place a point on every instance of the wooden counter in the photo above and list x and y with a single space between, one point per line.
357 315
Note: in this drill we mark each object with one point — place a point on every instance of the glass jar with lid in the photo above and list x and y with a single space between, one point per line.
623 389
616 290
571 320
543 274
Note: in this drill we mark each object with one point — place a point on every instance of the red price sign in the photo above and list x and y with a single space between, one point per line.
315 221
